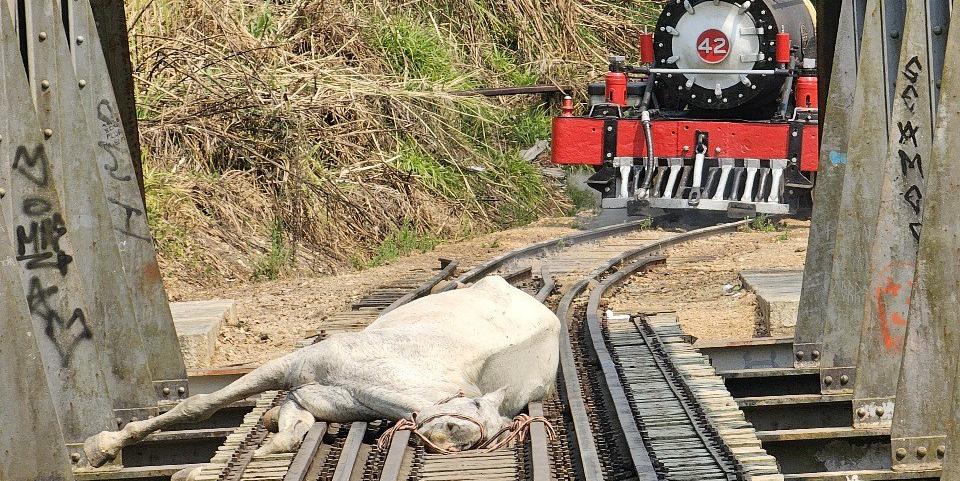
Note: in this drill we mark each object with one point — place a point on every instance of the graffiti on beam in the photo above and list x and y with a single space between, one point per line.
66 334
130 219
911 159
39 232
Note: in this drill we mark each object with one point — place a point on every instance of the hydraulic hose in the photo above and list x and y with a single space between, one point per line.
651 163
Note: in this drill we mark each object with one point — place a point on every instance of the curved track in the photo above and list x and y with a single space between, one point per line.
634 400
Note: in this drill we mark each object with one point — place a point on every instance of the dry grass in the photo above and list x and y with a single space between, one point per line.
306 132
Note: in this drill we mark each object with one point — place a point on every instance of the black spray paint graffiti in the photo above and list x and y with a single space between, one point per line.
912 72
38 238
65 334
913 194
134 221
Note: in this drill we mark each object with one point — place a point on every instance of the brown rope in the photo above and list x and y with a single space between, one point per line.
413 425
518 430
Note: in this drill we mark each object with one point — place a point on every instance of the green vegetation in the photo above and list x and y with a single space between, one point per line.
262 24
525 126
281 136
403 241
414 50
270 266
763 223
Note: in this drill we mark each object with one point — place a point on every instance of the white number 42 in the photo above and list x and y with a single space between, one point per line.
719 46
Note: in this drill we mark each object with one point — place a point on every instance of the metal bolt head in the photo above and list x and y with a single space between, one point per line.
80 39
938 30
75 457
166 391
799 355
844 379
44 84
921 452
47 133
42 36
82 83
941 450
828 380
609 129
861 413
119 421
815 355
880 411
895 34
901 453
181 390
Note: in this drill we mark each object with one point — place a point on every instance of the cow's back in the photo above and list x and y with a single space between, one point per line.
489 311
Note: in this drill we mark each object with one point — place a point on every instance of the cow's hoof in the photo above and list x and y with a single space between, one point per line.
271 419
101 448
187 474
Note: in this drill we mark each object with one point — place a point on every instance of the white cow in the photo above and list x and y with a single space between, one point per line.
491 341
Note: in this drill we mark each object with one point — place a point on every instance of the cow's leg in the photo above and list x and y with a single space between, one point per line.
105 446
294 422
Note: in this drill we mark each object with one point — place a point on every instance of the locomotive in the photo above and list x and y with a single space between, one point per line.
720 115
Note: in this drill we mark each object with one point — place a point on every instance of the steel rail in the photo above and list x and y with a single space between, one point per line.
448 267
350 452
669 373
539 447
544 247
642 463
589 458
304 459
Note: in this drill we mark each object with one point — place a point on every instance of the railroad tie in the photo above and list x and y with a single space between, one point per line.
719 406
234 459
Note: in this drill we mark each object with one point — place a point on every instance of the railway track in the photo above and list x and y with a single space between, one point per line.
634 401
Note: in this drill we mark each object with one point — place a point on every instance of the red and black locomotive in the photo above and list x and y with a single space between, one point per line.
721 114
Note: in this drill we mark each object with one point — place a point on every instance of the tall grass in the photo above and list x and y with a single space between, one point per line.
334 122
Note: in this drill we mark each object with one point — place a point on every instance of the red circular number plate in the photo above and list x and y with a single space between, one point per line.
713 46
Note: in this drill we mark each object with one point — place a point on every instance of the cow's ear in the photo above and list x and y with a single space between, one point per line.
495 398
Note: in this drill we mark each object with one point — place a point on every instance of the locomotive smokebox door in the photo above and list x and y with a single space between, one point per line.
721 35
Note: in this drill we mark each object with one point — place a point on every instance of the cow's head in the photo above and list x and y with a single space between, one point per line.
455 424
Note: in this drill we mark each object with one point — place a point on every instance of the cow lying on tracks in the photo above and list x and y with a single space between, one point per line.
492 342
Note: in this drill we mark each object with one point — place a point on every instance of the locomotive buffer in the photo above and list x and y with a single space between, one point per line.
721 116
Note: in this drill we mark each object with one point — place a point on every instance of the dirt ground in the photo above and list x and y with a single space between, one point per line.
273 317
692 281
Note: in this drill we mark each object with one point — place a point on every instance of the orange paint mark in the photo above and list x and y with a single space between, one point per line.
882 314
892 288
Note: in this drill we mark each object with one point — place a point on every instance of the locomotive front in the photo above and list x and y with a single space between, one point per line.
720 115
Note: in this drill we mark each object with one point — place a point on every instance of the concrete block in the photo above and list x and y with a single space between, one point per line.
778 297
198 325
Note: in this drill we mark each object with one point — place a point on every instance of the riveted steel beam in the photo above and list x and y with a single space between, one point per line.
41 238
893 257
125 203
70 149
826 195
32 445
860 195
923 402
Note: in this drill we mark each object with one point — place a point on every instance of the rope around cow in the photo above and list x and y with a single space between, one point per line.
518 430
